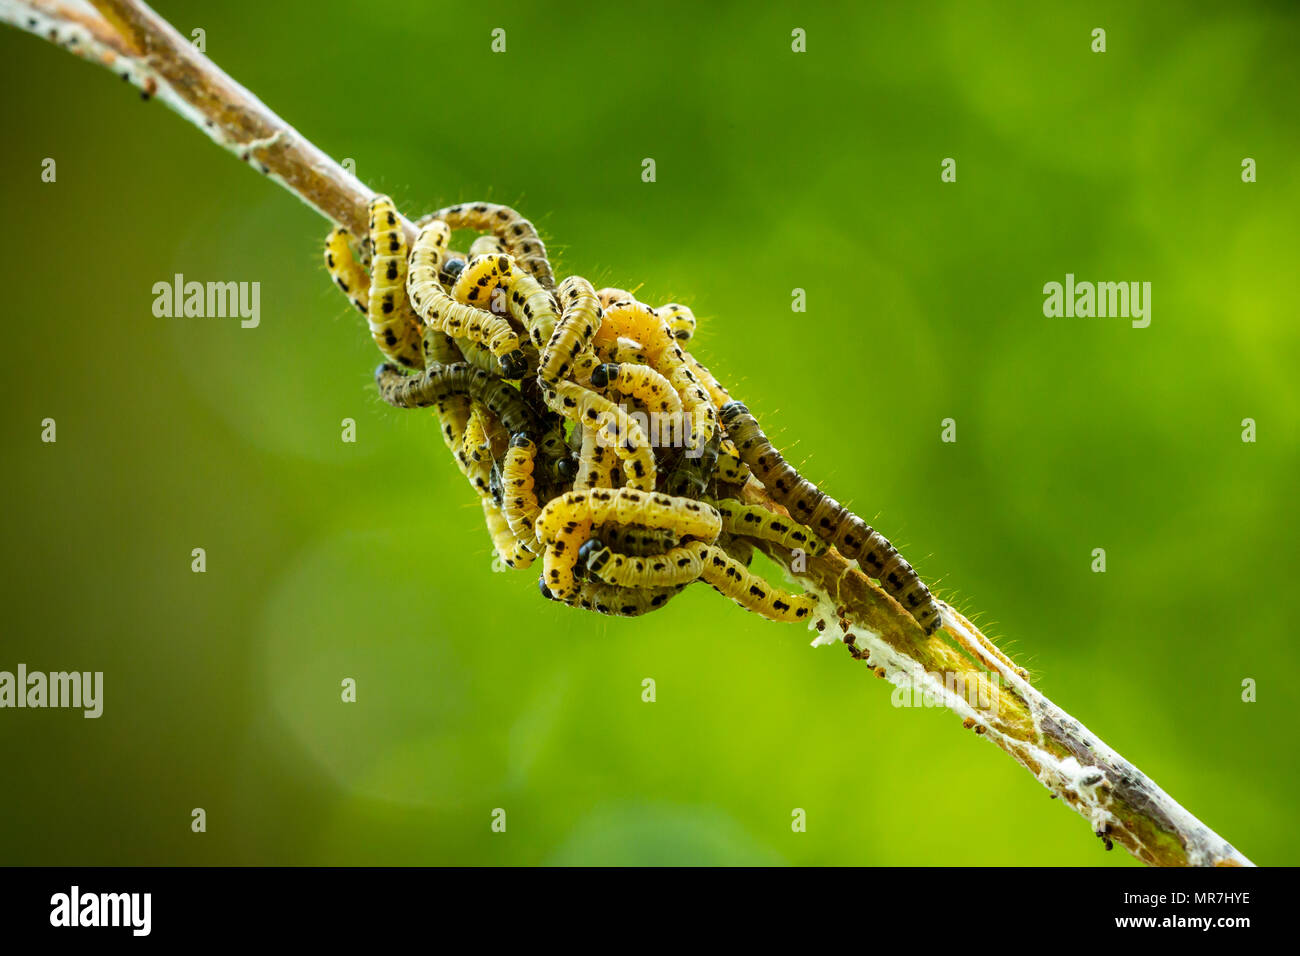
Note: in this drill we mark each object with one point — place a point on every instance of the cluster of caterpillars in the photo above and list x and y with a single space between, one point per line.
595 441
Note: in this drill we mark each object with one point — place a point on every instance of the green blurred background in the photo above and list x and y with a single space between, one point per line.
775 170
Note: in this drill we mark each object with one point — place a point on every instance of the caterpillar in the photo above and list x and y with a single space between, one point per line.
641 382
680 565
680 319
609 295
393 326
532 306
730 468
476 449
732 579
635 320
440 311
612 425
437 383
634 539
480 278
345 271
832 522
516 233
595 469
560 559
486 246
685 517
693 561
571 336
752 521
510 551
519 502
618 602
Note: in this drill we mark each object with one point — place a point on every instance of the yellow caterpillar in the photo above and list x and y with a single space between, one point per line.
595 465
685 517
476 449
680 319
635 320
519 503
617 602
732 579
752 521
393 326
486 246
510 550
642 383
693 561
580 317
612 425
517 234
345 271
440 311
730 468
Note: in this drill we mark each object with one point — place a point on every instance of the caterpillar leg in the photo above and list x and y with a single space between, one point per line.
831 521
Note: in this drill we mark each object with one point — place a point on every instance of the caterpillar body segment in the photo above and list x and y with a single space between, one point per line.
730 469
345 271
572 335
634 539
609 295
478 282
442 312
830 520
627 352
519 502
476 450
680 565
560 560
595 462
486 246
612 425
510 551
532 306
732 579
685 517
516 233
738 549
437 383
616 602
680 319
393 325
655 393
751 521
718 395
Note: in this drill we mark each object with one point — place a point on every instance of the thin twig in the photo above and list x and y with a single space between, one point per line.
956 666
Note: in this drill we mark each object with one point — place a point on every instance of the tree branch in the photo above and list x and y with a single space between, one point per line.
958 665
